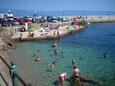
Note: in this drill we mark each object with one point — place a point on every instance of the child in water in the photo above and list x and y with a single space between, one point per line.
53 65
73 62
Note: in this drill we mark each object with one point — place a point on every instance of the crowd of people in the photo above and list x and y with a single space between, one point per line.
48 29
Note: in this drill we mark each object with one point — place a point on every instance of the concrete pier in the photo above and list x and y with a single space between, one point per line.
100 19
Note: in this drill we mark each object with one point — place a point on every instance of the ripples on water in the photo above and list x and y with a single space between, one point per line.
87 47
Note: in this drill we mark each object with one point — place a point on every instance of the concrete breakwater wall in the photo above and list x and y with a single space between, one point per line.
100 19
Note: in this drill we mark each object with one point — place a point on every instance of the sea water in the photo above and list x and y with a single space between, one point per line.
87 46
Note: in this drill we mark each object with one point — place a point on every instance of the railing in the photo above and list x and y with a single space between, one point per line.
3 79
16 75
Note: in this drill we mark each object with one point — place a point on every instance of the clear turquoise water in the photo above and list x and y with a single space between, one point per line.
87 46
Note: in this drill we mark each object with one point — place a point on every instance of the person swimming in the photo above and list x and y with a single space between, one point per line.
76 72
73 62
56 52
105 55
76 76
54 45
62 77
35 53
53 64
37 58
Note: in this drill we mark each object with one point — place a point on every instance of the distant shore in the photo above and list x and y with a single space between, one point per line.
62 30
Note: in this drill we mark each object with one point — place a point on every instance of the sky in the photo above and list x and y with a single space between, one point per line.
57 5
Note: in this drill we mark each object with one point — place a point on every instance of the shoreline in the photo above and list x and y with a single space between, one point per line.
62 31
49 37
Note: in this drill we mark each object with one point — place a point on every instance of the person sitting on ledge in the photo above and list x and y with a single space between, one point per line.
29 34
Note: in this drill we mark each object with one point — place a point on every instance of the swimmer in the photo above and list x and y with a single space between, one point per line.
56 52
35 53
54 45
76 72
76 76
105 55
73 62
53 66
37 58
62 77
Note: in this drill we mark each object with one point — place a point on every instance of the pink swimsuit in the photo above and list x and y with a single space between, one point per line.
61 78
